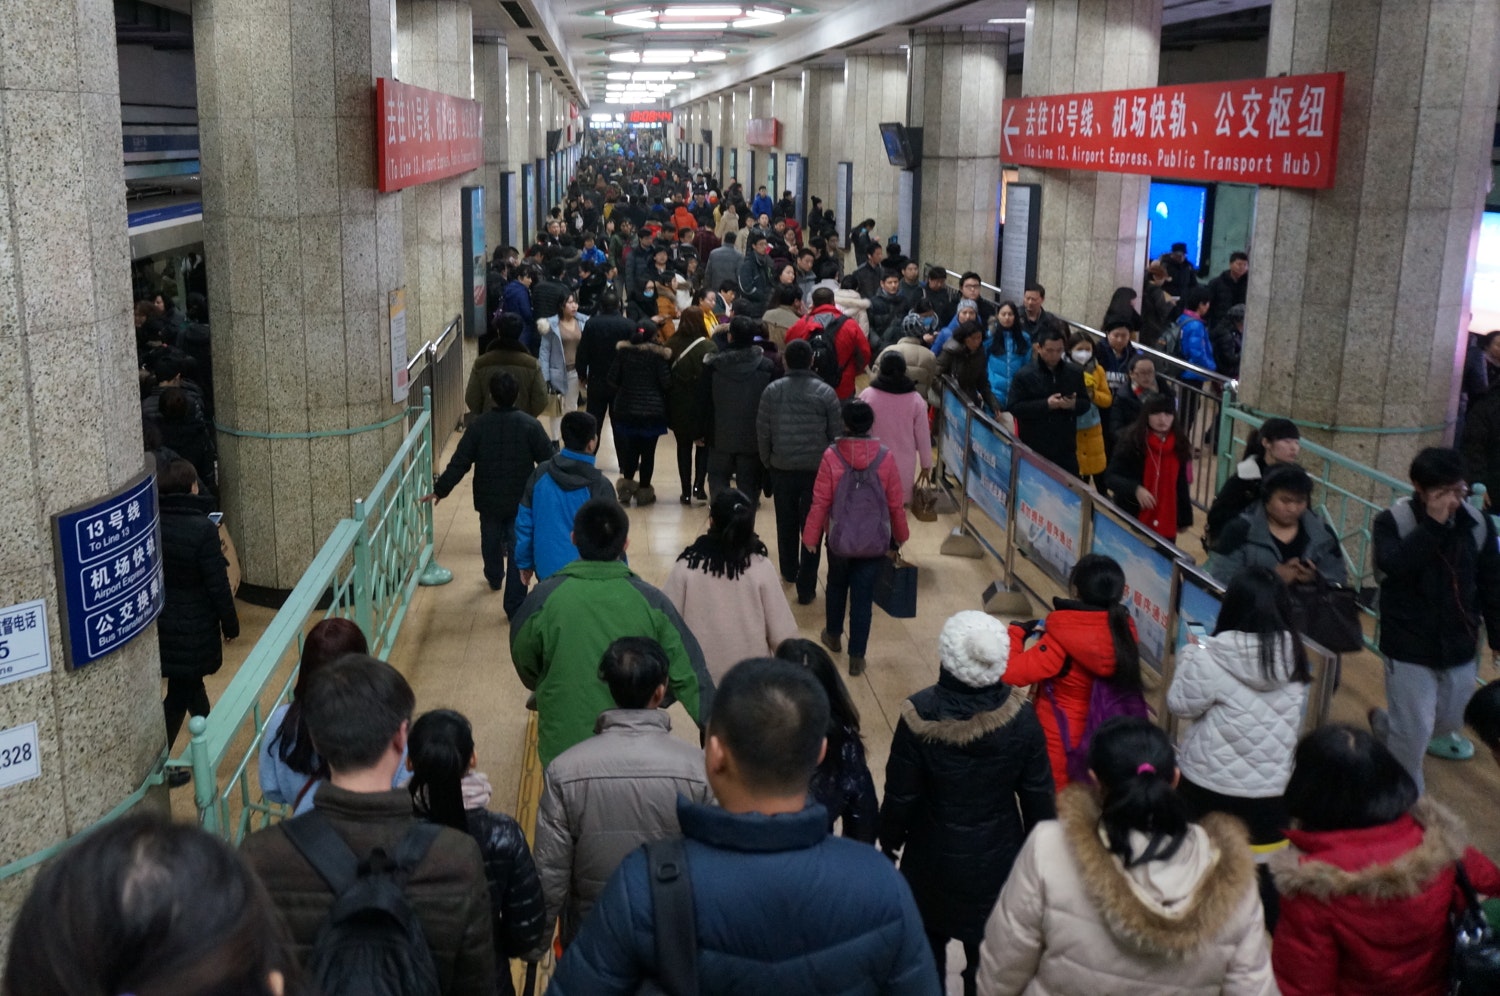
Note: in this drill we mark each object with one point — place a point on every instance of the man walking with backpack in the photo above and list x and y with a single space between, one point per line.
1441 576
375 901
841 351
858 500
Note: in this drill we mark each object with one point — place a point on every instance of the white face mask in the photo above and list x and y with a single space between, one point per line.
1082 356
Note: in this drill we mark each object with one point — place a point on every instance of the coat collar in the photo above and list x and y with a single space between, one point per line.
1300 869
1130 920
363 807
960 731
633 721
752 832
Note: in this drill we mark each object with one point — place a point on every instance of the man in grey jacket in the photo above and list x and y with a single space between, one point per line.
605 797
723 263
799 418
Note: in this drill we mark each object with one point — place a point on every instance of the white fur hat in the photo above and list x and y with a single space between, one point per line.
974 647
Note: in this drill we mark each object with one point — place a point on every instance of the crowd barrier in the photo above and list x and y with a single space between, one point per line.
439 365
1014 503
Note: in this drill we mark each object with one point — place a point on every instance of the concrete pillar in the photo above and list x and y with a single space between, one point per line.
518 102
739 102
874 91
299 299
71 408
492 87
955 81
721 120
786 107
1093 227
1368 281
824 136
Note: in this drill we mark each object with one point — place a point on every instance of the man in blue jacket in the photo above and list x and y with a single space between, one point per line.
781 907
554 493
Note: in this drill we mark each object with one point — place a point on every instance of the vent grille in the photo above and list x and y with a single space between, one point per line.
537 43
516 14
550 61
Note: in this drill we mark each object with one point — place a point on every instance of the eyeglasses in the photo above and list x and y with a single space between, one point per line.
1460 491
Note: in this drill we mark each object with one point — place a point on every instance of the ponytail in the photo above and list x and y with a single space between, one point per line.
1135 767
1127 650
440 746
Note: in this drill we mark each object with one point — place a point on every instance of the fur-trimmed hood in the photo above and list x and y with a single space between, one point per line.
645 347
1312 865
959 732
1216 896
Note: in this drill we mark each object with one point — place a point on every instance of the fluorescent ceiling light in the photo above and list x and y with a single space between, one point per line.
698 17
667 56
1007 20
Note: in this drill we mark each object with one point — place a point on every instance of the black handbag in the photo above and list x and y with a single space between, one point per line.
1328 614
896 588
1475 967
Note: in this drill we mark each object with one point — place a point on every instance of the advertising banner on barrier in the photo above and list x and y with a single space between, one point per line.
1148 582
953 433
1281 132
422 135
1195 606
1049 519
989 471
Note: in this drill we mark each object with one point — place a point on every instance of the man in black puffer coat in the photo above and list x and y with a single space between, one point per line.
198 605
965 752
503 446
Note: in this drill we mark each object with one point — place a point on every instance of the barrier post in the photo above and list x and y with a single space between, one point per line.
958 542
433 573
205 785
1226 434
363 581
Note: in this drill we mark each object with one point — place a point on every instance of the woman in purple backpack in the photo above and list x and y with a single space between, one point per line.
1087 638
859 502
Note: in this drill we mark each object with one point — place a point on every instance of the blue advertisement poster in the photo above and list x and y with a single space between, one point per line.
476 261
1049 519
989 471
953 433
108 570
1195 606
1148 582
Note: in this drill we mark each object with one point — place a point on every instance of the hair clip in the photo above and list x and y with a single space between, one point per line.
1146 769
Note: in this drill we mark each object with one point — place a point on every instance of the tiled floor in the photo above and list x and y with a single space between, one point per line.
453 647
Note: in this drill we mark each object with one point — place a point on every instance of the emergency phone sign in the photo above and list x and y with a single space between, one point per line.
1281 132
109 568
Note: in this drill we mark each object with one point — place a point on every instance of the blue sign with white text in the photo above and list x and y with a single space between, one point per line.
109 568
989 472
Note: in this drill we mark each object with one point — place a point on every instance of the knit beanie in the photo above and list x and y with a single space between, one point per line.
974 647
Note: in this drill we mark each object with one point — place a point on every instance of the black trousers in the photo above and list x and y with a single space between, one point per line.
636 452
970 973
793 498
686 451
184 695
1265 818
744 468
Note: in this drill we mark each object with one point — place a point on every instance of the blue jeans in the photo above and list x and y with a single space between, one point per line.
497 540
852 579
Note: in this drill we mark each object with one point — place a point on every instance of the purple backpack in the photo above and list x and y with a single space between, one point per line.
859 522
1106 701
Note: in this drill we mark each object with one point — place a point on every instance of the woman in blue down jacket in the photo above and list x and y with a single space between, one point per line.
1007 349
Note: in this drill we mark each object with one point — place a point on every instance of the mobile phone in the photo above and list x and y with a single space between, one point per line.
1197 629
216 517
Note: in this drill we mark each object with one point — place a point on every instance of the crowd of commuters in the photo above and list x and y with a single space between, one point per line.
1030 810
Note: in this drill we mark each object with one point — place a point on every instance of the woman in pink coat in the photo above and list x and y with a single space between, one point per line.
900 419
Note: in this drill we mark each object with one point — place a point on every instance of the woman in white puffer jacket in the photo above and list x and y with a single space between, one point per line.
1245 690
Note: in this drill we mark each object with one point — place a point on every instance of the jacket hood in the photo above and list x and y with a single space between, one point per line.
570 469
1395 860
960 731
1249 469
645 347
1239 654
850 301
1161 909
736 363
860 451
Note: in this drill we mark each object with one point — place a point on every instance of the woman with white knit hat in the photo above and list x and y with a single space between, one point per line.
965 752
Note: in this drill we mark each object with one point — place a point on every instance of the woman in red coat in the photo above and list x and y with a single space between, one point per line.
1084 639
1369 880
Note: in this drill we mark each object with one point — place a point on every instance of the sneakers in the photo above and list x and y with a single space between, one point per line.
856 666
645 495
625 489
833 641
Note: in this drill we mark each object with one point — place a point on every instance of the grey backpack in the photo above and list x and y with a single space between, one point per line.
859 521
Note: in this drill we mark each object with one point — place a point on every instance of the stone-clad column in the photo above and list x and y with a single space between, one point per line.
823 133
304 251
1358 295
1093 227
786 107
70 407
492 87
874 91
955 81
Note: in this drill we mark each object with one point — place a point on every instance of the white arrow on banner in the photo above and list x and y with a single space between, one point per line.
1009 130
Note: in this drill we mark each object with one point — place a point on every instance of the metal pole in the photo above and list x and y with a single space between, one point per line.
433 573
363 580
959 542
205 786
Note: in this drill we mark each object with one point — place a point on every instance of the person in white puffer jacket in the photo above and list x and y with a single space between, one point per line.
1245 690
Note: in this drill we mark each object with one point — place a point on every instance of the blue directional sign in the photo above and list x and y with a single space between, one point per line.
109 570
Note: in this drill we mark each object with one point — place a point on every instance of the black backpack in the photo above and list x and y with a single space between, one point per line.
372 943
824 343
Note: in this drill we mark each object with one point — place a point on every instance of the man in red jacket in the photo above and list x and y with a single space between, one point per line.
850 344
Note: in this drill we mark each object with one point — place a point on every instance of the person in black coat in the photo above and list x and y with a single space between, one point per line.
1046 396
967 779
503 445
445 789
640 377
197 614
605 330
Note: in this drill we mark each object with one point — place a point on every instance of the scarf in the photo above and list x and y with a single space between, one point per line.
476 790
1159 476
894 385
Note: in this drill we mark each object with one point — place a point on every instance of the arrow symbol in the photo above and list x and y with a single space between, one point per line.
1009 129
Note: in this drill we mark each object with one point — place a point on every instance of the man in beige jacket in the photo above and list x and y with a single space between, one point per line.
605 797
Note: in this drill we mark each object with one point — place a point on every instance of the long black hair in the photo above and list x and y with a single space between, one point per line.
1134 436
1257 602
843 715
440 747
329 640
1099 582
1132 760
999 333
725 550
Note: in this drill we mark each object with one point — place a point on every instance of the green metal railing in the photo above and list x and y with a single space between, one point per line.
367 571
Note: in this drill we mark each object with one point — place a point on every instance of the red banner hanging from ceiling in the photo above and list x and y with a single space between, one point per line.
763 132
1281 132
422 135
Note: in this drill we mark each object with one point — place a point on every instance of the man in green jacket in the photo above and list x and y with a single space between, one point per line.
568 621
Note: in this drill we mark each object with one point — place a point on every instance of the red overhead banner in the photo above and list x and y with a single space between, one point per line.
763 132
423 135
1281 132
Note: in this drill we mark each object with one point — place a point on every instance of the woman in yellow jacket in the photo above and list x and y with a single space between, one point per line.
1091 456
